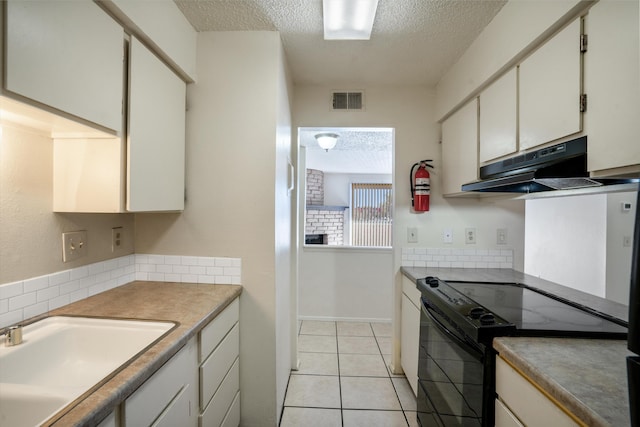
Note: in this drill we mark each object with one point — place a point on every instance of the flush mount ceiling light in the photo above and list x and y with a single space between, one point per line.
348 19
327 141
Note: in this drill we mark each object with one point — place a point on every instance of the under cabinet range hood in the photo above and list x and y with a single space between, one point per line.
559 167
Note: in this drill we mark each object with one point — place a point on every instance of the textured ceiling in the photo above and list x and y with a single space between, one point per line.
358 150
413 41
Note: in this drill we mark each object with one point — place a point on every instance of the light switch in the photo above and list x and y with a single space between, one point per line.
74 245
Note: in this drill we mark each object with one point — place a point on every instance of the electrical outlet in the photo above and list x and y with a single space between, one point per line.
74 245
116 238
447 235
412 235
501 236
470 236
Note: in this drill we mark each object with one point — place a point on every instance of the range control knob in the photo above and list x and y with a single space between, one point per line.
431 281
487 319
476 312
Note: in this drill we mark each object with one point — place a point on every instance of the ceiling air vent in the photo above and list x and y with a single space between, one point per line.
347 101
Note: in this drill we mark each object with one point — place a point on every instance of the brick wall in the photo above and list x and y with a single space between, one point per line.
315 187
329 222
322 221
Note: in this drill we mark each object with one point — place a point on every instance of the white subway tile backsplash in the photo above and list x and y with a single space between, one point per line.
36 284
31 297
11 290
457 258
22 301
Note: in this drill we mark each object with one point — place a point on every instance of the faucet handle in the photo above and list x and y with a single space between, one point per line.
13 336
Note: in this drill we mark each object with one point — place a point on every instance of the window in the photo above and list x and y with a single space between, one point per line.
371 214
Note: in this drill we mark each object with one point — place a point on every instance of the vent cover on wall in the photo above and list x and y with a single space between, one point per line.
347 100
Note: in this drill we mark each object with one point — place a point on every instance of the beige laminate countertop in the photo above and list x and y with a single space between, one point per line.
192 306
588 377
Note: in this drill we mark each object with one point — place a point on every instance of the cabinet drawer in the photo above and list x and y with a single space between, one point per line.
213 333
215 368
232 419
214 413
155 396
525 401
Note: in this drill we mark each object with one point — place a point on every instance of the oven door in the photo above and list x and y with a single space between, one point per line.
450 373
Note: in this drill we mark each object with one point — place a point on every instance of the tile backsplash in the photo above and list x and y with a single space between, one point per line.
31 297
457 258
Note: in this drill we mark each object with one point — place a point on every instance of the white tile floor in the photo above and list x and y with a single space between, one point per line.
344 379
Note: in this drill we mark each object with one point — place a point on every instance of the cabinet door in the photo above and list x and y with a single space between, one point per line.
156 141
171 392
498 116
410 338
460 148
612 84
550 84
67 55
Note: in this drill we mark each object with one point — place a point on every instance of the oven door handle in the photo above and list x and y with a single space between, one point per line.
476 352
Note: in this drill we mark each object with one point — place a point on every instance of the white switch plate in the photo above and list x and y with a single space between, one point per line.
74 245
447 235
116 239
501 236
412 235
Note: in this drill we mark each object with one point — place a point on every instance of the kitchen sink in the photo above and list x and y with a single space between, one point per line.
61 358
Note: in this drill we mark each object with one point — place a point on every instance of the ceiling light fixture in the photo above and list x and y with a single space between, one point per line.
348 19
327 141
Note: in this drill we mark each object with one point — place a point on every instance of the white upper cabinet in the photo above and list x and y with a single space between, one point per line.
460 148
156 136
550 89
142 172
66 55
498 118
612 84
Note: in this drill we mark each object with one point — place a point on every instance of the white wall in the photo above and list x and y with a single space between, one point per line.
30 233
565 241
619 225
578 241
337 186
339 283
236 180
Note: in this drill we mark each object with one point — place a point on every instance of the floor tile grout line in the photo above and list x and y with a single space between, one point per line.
342 409
339 377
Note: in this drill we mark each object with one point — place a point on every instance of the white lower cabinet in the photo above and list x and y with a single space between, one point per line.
219 370
410 332
166 399
198 386
520 402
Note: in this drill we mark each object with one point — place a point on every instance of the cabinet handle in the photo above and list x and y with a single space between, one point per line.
292 177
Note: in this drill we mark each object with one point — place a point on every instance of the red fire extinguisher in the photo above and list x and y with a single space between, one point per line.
420 186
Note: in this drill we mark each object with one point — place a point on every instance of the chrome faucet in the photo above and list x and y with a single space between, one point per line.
13 336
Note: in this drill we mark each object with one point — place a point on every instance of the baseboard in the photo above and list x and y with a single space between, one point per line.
344 319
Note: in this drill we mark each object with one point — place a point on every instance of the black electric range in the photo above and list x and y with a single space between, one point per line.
458 323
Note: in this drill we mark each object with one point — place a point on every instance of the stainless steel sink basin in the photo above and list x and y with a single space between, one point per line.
61 358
